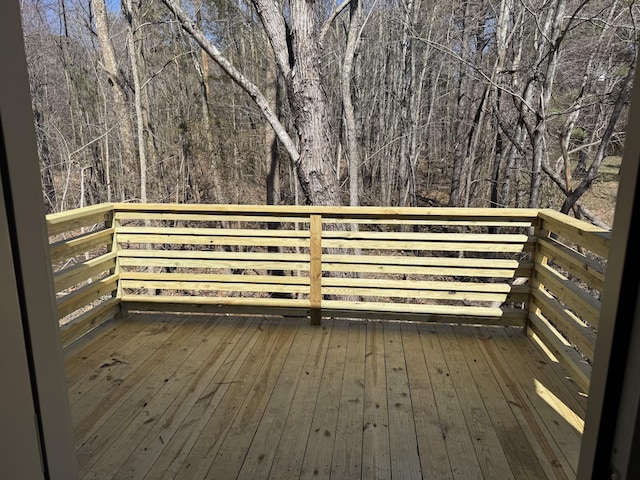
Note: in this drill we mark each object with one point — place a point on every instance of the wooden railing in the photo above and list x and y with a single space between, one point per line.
515 267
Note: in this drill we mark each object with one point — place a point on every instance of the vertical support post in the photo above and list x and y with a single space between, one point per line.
315 268
537 259
115 247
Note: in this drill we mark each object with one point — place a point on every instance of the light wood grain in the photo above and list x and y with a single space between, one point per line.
64 249
240 397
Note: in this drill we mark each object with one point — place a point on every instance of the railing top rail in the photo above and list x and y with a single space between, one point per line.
573 228
336 212
78 217
594 238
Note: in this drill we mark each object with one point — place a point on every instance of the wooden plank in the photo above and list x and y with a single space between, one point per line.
462 457
479 222
181 425
562 349
444 213
85 295
513 440
543 447
432 271
541 360
213 232
226 403
89 320
582 233
574 329
130 304
461 246
320 445
209 217
491 457
315 269
264 444
454 311
75 219
405 460
64 249
289 454
347 452
226 339
90 353
219 301
241 287
412 293
302 218
376 460
509 317
215 255
94 395
428 261
238 264
411 284
566 291
577 264
230 456
392 237
107 437
143 238
434 459
208 277
80 272
559 421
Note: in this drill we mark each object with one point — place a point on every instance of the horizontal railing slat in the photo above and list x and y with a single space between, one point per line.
222 232
583 234
341 212
429 245
239 287
65 249
416 270
86 294
581 302
428 236
426 294
78 218
576 331
211 240
208 277
559 346
213 264
574 262
213 255
80 272
89 320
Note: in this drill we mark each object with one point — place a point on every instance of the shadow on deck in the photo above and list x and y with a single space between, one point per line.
224 397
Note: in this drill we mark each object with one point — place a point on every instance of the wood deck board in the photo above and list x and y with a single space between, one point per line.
249 397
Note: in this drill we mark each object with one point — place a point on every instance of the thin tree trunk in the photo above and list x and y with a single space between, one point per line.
350 127
116 82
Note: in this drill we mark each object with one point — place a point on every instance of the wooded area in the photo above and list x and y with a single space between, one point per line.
513 103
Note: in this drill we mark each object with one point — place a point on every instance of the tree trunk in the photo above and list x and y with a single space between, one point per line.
350 127
116 83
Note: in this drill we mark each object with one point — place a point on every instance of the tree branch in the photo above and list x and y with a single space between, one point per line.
238 77
334 13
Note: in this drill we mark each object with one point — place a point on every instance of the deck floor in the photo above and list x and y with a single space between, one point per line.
194 396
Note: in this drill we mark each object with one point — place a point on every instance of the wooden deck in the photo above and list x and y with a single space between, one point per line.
189 397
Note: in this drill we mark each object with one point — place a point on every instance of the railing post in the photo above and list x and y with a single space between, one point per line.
315 268
537 258
115 247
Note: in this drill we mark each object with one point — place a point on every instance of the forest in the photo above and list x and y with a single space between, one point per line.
479 103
